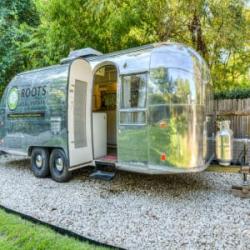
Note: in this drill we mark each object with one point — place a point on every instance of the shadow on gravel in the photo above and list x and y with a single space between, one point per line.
24 163
173 184
17 164
14 161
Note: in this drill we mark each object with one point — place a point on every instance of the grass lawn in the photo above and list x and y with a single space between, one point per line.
16 233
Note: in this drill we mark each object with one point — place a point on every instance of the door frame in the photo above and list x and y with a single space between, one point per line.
95 69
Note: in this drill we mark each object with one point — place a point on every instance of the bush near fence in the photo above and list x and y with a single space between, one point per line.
236 93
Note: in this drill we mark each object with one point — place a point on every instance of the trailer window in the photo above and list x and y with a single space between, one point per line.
133 94
133 99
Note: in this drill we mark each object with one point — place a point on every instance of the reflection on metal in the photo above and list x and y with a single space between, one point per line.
39 161
180 140
224 143
59 164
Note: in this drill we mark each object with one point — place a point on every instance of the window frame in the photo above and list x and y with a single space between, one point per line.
133 109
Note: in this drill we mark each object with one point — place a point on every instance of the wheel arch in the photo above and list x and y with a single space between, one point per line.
48 148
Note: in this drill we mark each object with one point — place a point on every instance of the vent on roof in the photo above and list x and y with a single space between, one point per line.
80 53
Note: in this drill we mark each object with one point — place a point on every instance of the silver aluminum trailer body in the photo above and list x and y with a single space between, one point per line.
160 120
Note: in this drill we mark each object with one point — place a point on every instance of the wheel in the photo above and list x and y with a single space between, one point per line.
58 164
40 162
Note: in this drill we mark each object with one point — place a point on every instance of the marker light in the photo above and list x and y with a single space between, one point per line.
163 157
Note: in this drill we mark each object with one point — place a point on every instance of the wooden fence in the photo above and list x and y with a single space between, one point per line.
235 110
238 112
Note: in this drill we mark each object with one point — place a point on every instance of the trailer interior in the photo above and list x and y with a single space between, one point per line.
104 107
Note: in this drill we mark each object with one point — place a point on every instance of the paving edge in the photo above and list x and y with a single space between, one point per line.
61 231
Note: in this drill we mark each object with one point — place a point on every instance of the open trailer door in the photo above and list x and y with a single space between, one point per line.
79 113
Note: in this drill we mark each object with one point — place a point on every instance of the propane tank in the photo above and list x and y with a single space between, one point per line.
224 144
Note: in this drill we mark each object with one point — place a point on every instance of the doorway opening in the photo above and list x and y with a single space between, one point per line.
104 110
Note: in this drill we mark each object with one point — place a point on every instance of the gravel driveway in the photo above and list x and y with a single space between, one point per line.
188 211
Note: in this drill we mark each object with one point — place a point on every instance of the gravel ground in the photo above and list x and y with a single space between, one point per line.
189 211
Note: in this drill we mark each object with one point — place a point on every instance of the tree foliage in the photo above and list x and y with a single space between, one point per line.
236 93
35 33
17 20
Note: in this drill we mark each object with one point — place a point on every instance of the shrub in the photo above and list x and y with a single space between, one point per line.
236 93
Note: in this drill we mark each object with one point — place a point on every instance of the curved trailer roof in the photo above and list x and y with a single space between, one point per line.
137 59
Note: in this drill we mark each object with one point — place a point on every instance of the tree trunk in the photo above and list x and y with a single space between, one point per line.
197 36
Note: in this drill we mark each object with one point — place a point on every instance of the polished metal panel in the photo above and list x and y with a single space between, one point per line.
174 86
176 106
224 143
176 135
132 62
133 145
39 118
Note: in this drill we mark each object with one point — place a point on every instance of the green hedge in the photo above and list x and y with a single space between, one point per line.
237 93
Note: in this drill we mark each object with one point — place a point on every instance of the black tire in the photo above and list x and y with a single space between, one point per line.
60 172
40 162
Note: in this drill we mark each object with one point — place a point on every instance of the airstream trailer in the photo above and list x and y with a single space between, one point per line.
140 110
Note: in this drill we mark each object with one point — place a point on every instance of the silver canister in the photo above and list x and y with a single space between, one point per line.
224 144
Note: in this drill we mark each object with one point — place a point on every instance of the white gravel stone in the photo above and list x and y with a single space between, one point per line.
187 211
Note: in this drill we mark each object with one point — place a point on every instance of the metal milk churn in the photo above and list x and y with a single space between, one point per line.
224 143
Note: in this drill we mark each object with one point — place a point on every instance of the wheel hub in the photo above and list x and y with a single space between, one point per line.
39 161
59 164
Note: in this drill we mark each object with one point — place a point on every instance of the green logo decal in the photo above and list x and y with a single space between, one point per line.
13 98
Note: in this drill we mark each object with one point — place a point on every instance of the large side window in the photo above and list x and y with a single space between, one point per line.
133 99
